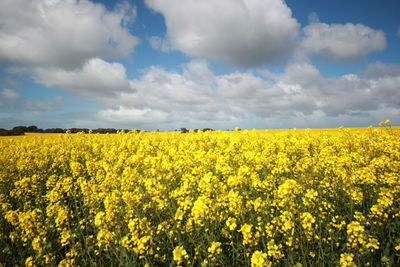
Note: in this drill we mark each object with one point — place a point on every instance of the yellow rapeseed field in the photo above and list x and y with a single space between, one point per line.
327 197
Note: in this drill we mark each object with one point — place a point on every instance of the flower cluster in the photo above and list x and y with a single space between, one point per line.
323 197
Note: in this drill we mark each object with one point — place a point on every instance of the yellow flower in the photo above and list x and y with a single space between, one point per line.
307 220
385 260
231 223
260 259
179 214
215 248
66 263
247 234
180 254
346 260
274 250
29 262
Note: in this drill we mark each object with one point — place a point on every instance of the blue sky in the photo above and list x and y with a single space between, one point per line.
156 64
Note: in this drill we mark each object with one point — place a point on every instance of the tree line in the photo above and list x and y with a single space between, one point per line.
21 130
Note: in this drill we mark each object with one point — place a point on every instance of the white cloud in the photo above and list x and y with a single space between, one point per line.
63 34
166 91
9 94
198 71
341 42
96 78
131 115
165 99
243 33
161 97
302 73
379 69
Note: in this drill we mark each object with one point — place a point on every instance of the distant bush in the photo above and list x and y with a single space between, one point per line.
54 130
33 129
105 130
207 129
184 130
14 131
3 132
20 130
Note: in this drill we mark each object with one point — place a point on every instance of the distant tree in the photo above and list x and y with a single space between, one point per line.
17 131
184 130
207 129
134 131
3 132
20 128
32 129
79 130
104 130
54 130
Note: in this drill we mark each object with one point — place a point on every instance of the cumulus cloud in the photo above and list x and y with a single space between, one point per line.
132 115
198 71
242 33
164 90
380 69
63 34
162 97
341 42
9 94
96 78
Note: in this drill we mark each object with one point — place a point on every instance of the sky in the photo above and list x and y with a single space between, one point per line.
156 64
